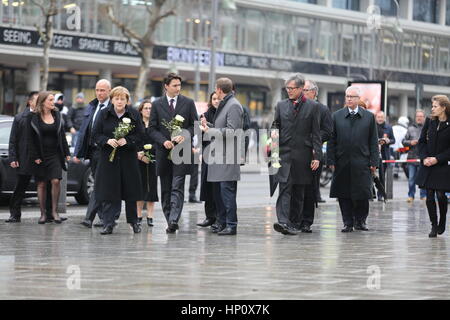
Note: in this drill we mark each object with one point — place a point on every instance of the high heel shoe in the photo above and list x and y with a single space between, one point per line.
150 222
40 221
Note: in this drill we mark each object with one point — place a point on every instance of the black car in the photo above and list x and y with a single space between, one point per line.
79 178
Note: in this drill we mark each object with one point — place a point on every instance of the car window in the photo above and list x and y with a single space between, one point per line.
5 130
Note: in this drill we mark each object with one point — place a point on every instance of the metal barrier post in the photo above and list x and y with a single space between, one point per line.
63 193
390 181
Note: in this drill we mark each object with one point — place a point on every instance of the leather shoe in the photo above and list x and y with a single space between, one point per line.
216 228
321 200
228 231
99 224
136 227
206 223
194 200
12 220
107 230
347 229
150 222
284 229
172 228
86 223
306 229
361 226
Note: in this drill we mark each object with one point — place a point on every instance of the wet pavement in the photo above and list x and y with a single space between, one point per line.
394 260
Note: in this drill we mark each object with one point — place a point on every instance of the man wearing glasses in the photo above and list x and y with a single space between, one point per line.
352 154
297 126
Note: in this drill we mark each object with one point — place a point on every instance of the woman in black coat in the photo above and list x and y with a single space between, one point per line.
434 152
147 168
206 188
48 151
120 178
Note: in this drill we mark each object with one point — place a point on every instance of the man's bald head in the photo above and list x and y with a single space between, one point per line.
102 89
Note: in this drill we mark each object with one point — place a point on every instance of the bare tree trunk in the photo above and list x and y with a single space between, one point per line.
144 71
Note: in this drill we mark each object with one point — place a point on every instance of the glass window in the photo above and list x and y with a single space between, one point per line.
426 10
387 7
447 15
306 1
346 4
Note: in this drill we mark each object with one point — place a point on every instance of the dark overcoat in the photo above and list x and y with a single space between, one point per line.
435 143
18 142
185 107
35 145
206 191
120 179
353 149
299 138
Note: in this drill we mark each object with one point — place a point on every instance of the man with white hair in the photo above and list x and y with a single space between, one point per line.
86 147
400 130
353 156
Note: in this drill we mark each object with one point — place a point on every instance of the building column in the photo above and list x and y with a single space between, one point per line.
329 3
442 12
277 86
406 9
105 74
323 96
365 4
403 112
34 76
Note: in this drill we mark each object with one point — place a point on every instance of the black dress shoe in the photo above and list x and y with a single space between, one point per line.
216 228
206 223
150 222
172 227
321 200
86 223
228 231
361 226
136 227
284 229
306 229
139 220
347 229
99 224
107 230
194 200
13 220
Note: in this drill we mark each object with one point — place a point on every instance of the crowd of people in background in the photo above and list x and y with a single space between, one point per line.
126 163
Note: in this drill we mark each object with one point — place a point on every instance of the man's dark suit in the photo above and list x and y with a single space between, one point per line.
299 137
312 192
87 149
172 176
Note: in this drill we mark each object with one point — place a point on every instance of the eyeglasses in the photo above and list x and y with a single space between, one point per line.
291 88
351 97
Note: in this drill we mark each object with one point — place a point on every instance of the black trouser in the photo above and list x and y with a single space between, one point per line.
316 177
193 182
110 209
23 181
290 203
431 206
308 206
210 204
172 196
225 198
353 211
95 206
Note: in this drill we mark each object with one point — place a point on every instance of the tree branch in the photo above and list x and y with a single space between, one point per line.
129 33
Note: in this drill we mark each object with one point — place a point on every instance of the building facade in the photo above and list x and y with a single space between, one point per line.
405 42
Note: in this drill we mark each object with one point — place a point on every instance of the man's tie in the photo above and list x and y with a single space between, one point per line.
296 106
96 112
171 108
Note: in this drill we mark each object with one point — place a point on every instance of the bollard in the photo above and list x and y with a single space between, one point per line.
63 193
389 181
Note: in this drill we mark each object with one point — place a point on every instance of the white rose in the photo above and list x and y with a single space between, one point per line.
148 146
179 118
269 141
274 155
126 120
276 165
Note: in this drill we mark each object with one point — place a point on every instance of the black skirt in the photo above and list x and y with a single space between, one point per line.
149 181
49 169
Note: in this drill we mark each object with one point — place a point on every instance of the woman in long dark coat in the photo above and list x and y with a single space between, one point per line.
434 152
147 168
48 151
120 178
206 188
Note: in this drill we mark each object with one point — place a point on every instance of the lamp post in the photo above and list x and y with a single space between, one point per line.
214 38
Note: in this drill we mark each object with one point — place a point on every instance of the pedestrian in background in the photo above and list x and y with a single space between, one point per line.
19 157
118 178
75 116
48 151
434 153
353 155
400 130
147 167
385 139
206 188
411 140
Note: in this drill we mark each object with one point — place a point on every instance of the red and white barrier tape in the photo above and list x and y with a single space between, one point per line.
405 161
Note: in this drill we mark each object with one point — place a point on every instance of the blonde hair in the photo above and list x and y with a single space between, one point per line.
444 102
120 91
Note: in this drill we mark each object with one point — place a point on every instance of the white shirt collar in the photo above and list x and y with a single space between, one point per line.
174 98
356 110
105 104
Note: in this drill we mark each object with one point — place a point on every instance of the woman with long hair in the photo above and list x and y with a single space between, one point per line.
147 168
48 151
434 153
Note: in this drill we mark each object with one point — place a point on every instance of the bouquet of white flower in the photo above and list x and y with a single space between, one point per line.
174 127
274 154
121 131
147 148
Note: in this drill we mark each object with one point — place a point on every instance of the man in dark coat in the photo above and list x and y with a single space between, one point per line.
300 150
19 157
86 148
172 175
385 139
352 153
312 191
